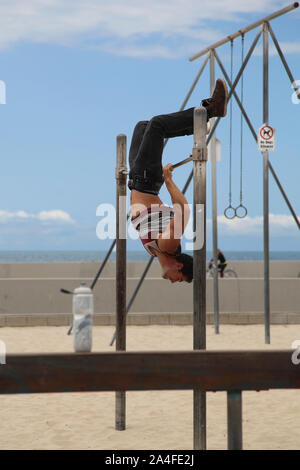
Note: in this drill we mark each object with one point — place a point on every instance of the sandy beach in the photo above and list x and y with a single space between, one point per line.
155 420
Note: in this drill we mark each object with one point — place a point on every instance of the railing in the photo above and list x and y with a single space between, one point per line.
230 371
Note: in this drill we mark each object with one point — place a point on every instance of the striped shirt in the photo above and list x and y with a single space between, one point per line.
150 223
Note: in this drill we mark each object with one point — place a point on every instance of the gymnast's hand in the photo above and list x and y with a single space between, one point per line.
167 171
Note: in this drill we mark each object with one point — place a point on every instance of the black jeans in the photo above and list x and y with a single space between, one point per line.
145 154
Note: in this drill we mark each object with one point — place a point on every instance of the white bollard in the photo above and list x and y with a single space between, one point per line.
83 309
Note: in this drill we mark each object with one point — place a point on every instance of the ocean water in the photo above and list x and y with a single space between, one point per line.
98 256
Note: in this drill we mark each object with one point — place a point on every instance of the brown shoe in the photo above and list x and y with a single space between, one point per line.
217 105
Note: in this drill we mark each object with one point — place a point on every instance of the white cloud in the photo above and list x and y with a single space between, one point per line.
286 47
43 216
55 215
281 225
158 28
5 216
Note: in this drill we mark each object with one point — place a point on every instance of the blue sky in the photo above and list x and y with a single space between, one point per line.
77 73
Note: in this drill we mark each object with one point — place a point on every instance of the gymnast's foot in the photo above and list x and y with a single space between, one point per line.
216 106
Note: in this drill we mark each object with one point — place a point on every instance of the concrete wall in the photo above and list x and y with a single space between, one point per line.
246 269
34 288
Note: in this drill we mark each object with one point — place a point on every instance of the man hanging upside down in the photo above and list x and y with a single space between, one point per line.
161 227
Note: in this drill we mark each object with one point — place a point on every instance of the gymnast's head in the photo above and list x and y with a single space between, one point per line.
178 268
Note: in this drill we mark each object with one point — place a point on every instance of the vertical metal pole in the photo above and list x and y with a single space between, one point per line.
266 183
234 420
199 282
121 219
214 201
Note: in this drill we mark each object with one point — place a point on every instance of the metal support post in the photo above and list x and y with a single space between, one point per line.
121 226
199 269
266 184
213 157
234 420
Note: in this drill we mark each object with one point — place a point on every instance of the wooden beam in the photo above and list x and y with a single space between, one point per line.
205 370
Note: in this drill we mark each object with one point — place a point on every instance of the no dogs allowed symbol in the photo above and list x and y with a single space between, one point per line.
266 138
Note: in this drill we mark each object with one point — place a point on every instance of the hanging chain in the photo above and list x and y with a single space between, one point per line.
230 212
242 122
241 210
230 138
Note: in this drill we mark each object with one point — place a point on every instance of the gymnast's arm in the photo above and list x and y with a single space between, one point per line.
170 239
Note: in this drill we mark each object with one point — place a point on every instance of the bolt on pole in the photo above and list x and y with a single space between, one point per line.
199 265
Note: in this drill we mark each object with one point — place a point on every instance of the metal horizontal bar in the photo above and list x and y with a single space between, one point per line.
231 37
204 370
183 162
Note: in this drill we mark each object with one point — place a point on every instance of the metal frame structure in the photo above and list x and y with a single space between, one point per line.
199 157
212 56
201 371
265 30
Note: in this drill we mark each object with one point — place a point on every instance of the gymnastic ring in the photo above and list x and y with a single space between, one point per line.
241 211
228 212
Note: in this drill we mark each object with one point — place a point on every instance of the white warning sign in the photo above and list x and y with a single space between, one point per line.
266 138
